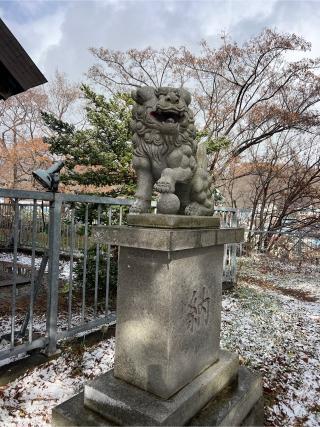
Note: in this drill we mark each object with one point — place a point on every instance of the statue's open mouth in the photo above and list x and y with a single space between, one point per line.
167 116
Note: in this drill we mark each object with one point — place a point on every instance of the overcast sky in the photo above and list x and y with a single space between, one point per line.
57 34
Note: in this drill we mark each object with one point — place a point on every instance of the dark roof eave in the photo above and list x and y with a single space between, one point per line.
17 70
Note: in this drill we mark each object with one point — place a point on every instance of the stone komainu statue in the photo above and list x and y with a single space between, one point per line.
166 154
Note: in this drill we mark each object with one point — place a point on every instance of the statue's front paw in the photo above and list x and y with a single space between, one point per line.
164 186
139 206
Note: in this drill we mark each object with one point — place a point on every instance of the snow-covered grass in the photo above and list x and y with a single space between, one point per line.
39 320
271 320
28 401
39 329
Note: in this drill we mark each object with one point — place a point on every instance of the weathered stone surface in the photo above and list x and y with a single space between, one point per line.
165 239
73 413
217 412
168 203
234 404
128 405
167 154
256 415
173 221
168 316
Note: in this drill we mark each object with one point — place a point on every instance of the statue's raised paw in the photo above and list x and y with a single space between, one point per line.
140 206
164 186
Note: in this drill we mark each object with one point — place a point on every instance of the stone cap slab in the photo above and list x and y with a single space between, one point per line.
173 221
160 239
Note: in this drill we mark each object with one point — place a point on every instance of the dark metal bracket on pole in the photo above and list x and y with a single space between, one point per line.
49 178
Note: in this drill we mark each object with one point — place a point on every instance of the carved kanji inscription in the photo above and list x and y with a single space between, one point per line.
198 309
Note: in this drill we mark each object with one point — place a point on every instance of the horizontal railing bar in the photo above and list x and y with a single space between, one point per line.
284 233
25 205
43 341
48 196
221 209
110 320
23 348
25 194
83 198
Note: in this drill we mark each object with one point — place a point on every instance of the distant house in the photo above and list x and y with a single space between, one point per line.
18 72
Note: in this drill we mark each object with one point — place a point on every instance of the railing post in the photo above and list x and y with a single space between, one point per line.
299 244
235 223
53 273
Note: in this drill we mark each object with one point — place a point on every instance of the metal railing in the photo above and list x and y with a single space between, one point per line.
284 243
59 308
56 228
41 226
229 219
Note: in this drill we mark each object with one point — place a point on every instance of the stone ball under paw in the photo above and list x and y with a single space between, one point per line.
168 203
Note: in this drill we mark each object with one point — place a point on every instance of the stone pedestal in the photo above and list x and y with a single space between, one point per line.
168 316
168 362
239 404
125 404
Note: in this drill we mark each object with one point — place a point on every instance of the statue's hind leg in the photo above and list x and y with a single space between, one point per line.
183 192
201 195
145 183
197 209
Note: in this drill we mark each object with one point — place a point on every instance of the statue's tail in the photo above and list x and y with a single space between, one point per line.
201 191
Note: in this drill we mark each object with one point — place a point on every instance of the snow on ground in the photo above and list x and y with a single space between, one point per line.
39 328
28 400
39 321
21 259
271 320
64 266
278 335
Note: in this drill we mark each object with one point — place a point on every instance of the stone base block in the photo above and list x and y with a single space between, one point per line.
128 405
240 404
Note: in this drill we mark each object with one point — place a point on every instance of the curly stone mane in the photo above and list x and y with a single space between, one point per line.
150 138
166 153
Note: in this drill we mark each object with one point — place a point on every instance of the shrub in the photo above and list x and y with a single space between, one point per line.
102 271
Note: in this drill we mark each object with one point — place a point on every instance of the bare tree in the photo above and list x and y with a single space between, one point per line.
134 68
20 121
62 94
250 93
22 147
282 184
243 95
